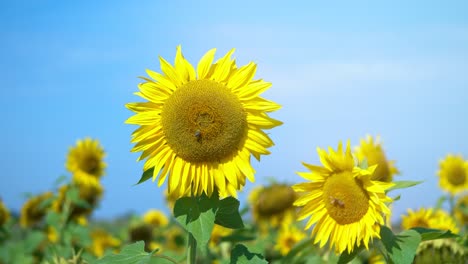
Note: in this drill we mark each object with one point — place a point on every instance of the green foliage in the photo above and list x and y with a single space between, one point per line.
131 254
228 215
403 185
148 174
431 234
401 248
346 257
198 215
241 255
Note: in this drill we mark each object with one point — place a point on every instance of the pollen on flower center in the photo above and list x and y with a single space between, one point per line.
203 121
457 175
345 199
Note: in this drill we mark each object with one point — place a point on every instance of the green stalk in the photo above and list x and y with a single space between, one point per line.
191 250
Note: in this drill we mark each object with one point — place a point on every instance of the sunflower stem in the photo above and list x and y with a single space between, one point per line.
192 249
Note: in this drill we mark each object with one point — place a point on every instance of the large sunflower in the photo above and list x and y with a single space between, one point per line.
86 158
453 174
199 129
372 151
346 206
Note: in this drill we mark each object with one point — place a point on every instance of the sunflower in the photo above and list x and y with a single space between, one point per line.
273 205
345 205
86 158
461 210
34 210
429 218
101 241
199 129
453 174
89 191
4 214
155 218
445 250
371 150
288 237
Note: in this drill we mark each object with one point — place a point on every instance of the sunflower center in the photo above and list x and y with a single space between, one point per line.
420 223
203 121
457 176
345 199
90 165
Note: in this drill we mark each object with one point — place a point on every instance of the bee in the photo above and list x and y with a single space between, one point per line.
198 134
336 202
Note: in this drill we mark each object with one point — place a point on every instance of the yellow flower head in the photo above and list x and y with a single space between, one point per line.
346 206
4 214
273 205
33 211
102 240
461 209
429 218
155 218
171 198
86 158
89 190
288 237
453 174
371 150
199 129
52 235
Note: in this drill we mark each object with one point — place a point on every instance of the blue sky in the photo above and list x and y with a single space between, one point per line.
340 71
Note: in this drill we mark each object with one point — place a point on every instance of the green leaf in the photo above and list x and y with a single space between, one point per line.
148 174
33 240
401 248
241 255
228 215
197 216
131 254
431 234
403 184
346 257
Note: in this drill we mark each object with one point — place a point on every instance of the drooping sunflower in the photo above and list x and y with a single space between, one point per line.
87 157
453 174
34 210
273 205
155 218
288 237
199 129
429 218
372 151
4 214
345 204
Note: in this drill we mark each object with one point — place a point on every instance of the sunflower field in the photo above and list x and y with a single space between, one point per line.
197 129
